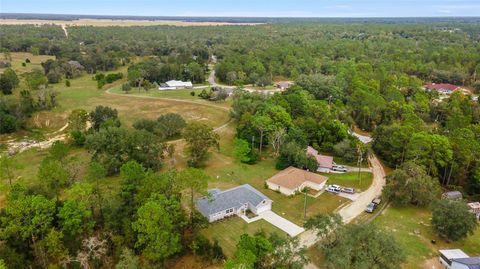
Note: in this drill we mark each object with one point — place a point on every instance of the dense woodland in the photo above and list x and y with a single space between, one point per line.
365 74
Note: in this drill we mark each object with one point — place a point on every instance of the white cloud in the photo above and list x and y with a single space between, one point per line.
445 11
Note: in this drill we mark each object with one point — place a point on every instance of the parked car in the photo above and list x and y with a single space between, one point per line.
339 168
370 208
348 190
334 189
377 201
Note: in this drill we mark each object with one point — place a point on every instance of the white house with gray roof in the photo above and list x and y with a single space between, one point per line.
235 201
457 259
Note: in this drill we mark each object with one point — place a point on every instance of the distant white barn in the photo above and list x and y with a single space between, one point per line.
175 84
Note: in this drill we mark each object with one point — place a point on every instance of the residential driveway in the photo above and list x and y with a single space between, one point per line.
355 169
349 196
355 208
283 224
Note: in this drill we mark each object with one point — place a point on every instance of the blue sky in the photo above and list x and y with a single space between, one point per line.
249 8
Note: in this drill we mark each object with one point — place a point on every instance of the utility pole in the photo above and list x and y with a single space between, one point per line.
359 162
305 204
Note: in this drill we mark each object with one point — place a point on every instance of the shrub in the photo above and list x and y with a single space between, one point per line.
78 138
113 77
453 220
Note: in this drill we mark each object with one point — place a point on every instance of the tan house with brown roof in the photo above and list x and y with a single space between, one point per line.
292 180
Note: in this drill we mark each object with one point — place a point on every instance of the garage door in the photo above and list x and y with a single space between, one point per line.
264 208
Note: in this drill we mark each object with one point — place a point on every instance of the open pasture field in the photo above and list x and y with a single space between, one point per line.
17 58
181 94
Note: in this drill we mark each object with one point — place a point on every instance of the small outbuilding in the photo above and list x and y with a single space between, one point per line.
283 85
452 195
466 263
176 84
293 180
443 88
475 209
448 255
325 163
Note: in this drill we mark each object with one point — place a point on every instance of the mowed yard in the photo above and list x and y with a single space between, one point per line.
227 172
228 232
359 181
411 228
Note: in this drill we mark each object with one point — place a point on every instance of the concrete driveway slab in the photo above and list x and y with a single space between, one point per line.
285 225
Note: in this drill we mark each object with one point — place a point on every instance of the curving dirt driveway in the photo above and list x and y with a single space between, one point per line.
355 208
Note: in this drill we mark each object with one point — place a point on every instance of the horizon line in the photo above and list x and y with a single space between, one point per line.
253 17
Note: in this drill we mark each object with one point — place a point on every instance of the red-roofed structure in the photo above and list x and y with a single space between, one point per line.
442 87
325 163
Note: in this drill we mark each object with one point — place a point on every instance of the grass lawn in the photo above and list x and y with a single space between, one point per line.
19 57
351 180
292 208
341 161
183 94
403 222
228 231
227 172
259 88
176 94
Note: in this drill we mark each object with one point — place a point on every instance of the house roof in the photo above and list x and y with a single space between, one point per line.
474 205
322 160
284 84
231 198
292 178
471 263
452 195
441 86
451 254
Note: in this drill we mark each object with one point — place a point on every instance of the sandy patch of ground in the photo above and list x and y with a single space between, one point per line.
432 263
